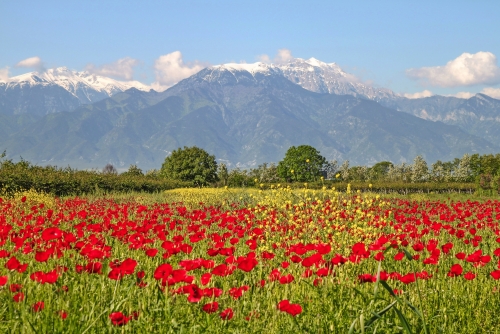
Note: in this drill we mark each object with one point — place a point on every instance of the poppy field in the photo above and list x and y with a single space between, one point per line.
275 260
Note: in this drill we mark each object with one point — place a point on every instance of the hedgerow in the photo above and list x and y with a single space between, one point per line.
22 176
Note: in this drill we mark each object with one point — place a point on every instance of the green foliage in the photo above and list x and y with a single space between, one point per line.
380 169
23 176
419 170
133 170
302 163
240 178
190 164
485 164
222 173
265 173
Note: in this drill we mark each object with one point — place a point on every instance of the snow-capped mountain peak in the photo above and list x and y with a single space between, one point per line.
251 68
87 87
311 74
317 76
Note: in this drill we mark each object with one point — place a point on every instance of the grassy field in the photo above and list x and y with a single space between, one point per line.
249 261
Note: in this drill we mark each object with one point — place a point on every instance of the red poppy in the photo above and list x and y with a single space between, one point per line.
227 314
115 274
12 263
324 248
63 314
367 278
267 255
212 292
237 292
252 244
495 274
338 259
247 263
469 276
379 256
15 287
292 309
447 247
322 272
399 256
311 260
211 307
18 297
205 278
408 278
3 280
222 270
118 318
195 294
152 252
456 270
94 268
283 305
38 306
286 279
163 271
52 233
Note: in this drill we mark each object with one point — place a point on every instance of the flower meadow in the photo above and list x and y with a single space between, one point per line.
276 260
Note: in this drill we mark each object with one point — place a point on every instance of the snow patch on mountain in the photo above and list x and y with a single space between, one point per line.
320 77
85 86
311 74
252 68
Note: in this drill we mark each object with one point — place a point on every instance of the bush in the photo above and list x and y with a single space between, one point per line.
22 176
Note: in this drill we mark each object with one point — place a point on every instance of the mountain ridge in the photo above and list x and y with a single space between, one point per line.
244 118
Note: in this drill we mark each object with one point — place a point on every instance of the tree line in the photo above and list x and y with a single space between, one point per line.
305 164
193 166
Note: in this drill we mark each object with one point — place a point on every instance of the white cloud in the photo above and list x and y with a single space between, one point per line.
4 73
122 68
264 59
170 69
282 56
465 70
33 62
463 95
418 95
493 92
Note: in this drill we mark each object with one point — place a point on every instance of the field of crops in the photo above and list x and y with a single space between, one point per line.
275 261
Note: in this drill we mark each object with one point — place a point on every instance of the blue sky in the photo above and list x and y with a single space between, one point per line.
395 44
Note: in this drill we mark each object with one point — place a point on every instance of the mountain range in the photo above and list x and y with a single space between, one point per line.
244 114
58 89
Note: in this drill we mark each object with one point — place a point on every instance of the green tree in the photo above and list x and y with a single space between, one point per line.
133 170
380 169
191 164
302 163
419 170
344 170
265 173
222 173
239 178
